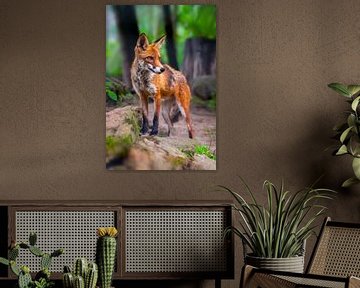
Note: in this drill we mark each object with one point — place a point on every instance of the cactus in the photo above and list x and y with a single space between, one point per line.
67 269
4 261
79 282
13 253
106 254
88 273
91 276
45 261
80 268
44 273
32 238
36 251
57 252
68 280
24 278
14 268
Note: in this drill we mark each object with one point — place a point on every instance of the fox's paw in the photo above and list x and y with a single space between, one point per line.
154 132
144 130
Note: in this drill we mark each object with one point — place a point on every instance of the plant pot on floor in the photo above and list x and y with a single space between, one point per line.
291 264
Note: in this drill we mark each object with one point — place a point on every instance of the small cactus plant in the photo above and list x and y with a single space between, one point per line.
85 275
106 254
42 278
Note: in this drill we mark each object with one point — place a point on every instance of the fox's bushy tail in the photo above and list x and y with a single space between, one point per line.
175 113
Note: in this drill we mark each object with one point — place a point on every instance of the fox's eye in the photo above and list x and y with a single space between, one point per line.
150 58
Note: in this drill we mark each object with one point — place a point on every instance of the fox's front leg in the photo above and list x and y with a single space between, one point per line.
145 113
155 127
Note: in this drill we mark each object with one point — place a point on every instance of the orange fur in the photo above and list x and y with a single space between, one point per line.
150 78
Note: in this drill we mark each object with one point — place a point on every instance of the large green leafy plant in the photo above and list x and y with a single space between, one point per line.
279 229
348 132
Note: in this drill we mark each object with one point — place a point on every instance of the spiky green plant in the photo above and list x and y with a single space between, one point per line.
279 229
42 278
106 254
348 132
84 273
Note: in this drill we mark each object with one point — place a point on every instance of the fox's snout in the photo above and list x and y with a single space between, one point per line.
156 69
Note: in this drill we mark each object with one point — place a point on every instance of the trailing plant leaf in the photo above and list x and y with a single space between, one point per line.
355 103
349 132
353 89
340 88
342 150
345 134
356 167
349 182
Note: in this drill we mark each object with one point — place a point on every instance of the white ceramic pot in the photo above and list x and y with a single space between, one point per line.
291 264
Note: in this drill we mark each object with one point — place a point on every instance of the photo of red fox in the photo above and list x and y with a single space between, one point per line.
160 87
150 78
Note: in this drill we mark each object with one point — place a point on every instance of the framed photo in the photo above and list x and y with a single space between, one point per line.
161 87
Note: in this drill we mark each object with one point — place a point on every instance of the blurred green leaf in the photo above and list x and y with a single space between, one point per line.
356 167
345 134
112 95
349 182
355 103
353 89
342 150
351 120
340 88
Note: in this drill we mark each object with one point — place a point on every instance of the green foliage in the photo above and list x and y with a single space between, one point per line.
113 58
110 93
119 146
134 122
279 229
118 93
348 132
200 150
196 21
204 150
42 278
43 283
189 21
150 20
209 104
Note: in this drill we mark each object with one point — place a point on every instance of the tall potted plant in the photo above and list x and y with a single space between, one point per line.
348 132
276 233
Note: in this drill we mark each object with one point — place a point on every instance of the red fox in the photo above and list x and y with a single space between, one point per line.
166 85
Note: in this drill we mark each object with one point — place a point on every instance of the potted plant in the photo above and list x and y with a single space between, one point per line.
348 132
276 233
42 278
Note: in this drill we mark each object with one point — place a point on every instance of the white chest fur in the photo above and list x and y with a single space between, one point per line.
143 79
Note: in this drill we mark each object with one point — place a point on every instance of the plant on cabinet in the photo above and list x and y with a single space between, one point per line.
275 233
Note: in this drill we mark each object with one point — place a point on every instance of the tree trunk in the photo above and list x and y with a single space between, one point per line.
170 43
128 34
199 58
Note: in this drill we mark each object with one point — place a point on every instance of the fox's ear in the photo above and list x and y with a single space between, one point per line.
160 41
142 41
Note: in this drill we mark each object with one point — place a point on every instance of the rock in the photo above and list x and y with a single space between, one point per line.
127 150
122 130
152 153
204 87
155 153
201 162
117 120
